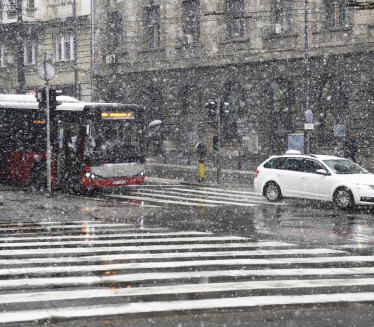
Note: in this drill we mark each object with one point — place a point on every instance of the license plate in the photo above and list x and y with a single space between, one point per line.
119 182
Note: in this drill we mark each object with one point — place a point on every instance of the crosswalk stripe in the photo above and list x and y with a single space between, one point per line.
124 241
207 198
169 255
181 289
62 226
167 276
131 197
170 306
135 248
202 201
90 236
171 264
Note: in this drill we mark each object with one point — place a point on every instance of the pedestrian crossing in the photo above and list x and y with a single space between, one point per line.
69 270
186 195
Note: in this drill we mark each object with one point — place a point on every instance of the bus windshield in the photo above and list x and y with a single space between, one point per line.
113 141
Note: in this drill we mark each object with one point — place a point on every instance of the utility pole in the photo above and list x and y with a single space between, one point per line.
20 50
306 75
76 73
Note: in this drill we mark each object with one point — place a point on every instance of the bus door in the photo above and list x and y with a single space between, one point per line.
68 153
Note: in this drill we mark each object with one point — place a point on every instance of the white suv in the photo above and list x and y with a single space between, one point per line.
318 177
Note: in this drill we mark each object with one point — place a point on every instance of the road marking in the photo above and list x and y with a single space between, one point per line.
167 276
127 241
201 204
200 200
135 248
162 265
169 306
90 235
181 289
210 196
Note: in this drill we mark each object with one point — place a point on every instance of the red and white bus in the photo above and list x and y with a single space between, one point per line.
93 145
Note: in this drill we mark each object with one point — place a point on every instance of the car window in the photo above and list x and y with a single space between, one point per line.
342 166
294 164
311 166
274 163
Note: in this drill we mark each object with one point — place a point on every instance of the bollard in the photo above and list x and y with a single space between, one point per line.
200 171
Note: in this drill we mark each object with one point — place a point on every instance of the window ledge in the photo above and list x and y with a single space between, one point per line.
333 30
235 41
153 50
279 36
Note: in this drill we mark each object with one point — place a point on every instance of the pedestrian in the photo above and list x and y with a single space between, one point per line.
350 147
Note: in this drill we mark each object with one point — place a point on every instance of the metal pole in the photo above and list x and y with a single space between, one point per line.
48 139
306 74
20 50
76 73
93 47
219 168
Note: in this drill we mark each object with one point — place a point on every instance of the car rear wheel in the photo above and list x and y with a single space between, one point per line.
343 198
272 192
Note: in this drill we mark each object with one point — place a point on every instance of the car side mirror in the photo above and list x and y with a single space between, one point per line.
322 172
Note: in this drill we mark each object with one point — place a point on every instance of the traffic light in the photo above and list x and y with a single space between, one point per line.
41 97
223 110
212 107
53 93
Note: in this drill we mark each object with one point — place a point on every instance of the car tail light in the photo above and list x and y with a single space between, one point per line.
257 172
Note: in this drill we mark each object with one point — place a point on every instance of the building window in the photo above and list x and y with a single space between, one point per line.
152 26
235 18
65 47
335 13
333 111
282 116
12 10
115 31
2 55
31 4
29 53
282 12
234 125
191 20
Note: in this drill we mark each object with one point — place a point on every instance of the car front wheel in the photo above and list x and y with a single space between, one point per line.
343 198
273 192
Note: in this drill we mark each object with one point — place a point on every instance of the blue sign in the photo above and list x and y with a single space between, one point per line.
296 142
309 116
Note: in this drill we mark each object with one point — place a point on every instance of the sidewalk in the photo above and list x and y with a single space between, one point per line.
187 172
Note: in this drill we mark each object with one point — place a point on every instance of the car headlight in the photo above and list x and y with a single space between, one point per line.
365 187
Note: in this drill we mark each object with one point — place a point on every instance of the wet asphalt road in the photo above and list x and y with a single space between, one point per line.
85 232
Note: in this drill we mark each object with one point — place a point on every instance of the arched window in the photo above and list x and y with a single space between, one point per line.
333 104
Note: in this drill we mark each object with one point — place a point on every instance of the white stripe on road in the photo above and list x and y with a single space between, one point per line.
210 194
201 200
109 249
202 204
181 289
89 236
169 255
127 241
167 276
62 226
170 306
164 265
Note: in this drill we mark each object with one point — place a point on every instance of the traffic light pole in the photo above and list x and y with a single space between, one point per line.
48 127
218 154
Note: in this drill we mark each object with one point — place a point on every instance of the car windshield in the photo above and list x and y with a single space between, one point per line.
341 166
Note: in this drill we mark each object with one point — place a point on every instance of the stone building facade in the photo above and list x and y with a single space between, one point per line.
173 56
47 30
